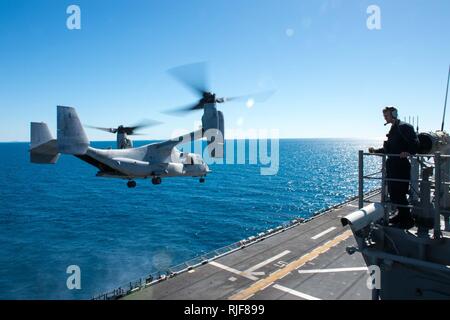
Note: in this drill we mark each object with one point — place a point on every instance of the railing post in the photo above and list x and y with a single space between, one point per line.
437 195
383 189
360 179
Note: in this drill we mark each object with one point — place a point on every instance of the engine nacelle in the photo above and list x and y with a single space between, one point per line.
213 124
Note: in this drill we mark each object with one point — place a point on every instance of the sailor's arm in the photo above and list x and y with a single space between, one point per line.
373 150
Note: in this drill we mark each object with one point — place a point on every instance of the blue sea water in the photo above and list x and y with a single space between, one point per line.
54 216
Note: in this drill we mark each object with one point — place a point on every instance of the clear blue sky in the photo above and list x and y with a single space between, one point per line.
331 73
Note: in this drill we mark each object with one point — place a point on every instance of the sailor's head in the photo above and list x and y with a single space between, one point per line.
390 114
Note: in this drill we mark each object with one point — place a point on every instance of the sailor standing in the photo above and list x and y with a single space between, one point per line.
402 141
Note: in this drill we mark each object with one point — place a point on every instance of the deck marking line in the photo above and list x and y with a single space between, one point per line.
267 286
262 264
332 270
221 266
317 236
295 293
255 287
285 275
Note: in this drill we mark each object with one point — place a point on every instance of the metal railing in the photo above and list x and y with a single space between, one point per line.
437 184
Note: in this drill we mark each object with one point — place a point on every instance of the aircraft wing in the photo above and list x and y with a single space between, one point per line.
170 144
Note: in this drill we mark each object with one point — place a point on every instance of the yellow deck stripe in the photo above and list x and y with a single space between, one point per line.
264 283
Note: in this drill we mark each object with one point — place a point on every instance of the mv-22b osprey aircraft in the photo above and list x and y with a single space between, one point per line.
156 160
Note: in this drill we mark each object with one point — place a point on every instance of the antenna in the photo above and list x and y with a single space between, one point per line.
445 104
417 128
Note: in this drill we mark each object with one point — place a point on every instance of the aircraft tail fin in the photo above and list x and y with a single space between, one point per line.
43 148
71 136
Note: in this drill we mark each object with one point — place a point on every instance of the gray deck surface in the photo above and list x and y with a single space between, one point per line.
283 266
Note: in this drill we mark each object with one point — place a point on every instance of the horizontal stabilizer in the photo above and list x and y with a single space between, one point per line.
46 153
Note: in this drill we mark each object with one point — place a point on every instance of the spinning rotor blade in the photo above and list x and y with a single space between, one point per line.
184 109
110 130
193 76
256 97
137 134
143 124
129 130
249 98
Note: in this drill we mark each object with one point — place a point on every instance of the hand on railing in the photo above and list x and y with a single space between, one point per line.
404 155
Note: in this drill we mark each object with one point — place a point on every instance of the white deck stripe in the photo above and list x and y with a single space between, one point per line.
262 264
317 236
268 285
295 293
284 275
333 270
243 274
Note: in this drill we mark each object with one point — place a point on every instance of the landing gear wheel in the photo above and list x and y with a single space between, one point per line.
131 184
156 180
202 180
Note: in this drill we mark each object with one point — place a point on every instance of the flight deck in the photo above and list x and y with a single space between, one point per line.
306 261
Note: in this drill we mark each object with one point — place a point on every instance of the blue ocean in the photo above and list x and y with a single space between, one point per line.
55 216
